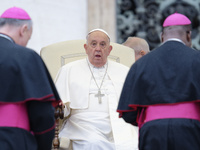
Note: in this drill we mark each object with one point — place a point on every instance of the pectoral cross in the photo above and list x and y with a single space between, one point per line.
99 95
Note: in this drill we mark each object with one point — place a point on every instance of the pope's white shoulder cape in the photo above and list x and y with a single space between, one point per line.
73 81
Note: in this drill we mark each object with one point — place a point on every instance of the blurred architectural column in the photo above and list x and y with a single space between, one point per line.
102 14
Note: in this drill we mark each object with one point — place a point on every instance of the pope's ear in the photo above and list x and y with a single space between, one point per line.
85 47
110 48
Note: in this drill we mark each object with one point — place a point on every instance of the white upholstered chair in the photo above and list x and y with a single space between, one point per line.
58 54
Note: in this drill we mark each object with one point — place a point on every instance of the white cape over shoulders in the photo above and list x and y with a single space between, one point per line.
69 82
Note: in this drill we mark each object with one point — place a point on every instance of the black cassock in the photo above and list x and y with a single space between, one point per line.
169 74
24 79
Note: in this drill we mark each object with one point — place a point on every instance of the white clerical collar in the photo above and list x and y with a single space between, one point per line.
92 66
175 39
7 37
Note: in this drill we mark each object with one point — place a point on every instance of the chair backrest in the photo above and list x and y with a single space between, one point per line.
58 54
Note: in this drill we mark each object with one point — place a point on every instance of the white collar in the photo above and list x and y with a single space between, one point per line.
92 66
7 37
175 39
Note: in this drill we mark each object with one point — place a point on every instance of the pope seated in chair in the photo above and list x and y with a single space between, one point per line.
90 89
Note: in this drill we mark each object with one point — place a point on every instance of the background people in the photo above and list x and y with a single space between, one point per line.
139 45
28 95
90 89
162 91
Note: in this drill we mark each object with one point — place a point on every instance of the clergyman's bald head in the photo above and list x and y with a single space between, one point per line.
139 45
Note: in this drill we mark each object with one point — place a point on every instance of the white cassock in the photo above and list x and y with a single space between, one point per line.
92 125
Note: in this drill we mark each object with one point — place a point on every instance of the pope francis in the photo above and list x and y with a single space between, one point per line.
90 89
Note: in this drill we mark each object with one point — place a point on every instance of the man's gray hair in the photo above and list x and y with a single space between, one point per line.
15 22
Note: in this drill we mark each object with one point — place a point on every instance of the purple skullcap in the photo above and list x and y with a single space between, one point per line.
16 13
176 19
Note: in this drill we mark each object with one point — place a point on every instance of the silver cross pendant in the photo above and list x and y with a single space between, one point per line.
99 95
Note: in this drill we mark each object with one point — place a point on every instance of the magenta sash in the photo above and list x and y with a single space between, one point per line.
14 115
183 110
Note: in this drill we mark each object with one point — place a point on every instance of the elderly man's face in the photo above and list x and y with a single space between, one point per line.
98 48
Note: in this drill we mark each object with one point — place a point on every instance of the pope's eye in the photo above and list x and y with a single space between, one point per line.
103 45
93 44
